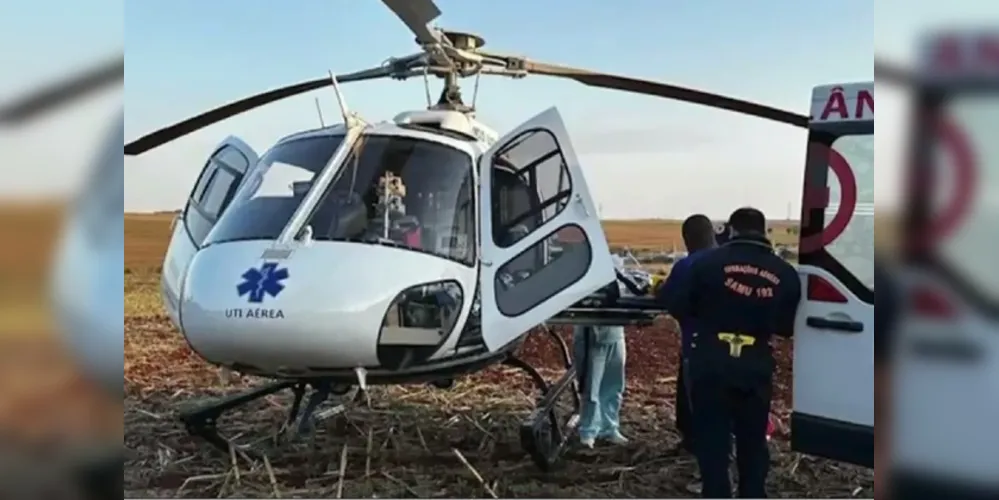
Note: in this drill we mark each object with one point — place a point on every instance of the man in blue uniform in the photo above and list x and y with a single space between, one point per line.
740 294
698 236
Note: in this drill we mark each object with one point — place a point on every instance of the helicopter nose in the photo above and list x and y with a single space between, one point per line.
311 309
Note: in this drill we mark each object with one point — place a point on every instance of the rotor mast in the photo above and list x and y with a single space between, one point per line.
454 68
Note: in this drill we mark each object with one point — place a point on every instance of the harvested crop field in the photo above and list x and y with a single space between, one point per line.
412 441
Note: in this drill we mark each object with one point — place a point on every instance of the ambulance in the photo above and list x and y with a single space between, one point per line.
944 395
833 408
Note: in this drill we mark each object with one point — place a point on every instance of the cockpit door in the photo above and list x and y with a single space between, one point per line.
543 252
222 175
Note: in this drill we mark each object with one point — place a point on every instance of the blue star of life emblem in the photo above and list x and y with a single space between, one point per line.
258 283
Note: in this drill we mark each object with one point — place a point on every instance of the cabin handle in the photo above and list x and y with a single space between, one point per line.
486 263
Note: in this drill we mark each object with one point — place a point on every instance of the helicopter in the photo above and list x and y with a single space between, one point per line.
413 250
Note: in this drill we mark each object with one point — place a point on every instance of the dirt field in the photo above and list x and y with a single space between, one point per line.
413 441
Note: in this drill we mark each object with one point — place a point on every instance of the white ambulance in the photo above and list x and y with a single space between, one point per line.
833 413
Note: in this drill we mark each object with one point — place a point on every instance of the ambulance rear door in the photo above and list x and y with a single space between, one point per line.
833 414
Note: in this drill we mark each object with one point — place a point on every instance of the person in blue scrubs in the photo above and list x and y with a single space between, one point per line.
698 236
600 354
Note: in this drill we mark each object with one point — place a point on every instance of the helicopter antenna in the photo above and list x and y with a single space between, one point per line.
349 119
319 110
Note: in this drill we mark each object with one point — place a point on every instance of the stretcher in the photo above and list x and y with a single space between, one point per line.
621 303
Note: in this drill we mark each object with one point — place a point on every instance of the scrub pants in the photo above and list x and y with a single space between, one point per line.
720 410
599 353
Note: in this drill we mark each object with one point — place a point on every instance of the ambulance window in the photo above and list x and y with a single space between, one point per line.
970 190
854 249
524 283
541 191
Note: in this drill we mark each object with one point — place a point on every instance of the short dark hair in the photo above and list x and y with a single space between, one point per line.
748 220
698 232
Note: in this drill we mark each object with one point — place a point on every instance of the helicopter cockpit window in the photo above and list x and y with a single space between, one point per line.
404 192
214 191
277 187
531 185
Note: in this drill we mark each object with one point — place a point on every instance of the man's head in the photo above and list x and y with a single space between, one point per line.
746 221
698 233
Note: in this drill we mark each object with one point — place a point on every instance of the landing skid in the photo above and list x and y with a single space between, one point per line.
543 435
202 421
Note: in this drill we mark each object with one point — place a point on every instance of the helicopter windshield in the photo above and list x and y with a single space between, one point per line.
391 190
404 192
263 207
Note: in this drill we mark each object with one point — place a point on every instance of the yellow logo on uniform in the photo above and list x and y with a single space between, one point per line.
736 342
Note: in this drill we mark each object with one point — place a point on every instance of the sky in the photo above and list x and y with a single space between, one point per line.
44 41
643 156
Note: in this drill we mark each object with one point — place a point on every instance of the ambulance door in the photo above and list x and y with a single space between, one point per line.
833 414
222 175
945 363
523 280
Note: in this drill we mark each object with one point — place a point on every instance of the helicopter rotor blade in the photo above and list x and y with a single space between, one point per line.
417 16
56 95
648 87
177 130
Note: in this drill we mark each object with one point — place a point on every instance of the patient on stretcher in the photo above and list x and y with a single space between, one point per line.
627 301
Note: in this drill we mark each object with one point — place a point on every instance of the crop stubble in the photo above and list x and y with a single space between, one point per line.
412 441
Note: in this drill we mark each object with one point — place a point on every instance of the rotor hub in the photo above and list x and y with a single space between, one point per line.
465 41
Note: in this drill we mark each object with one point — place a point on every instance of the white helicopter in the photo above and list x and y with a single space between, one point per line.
413 250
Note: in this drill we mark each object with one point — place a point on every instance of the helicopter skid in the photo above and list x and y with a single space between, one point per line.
202 420
544 436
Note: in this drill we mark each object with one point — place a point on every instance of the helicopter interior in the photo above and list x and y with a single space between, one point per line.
392 190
